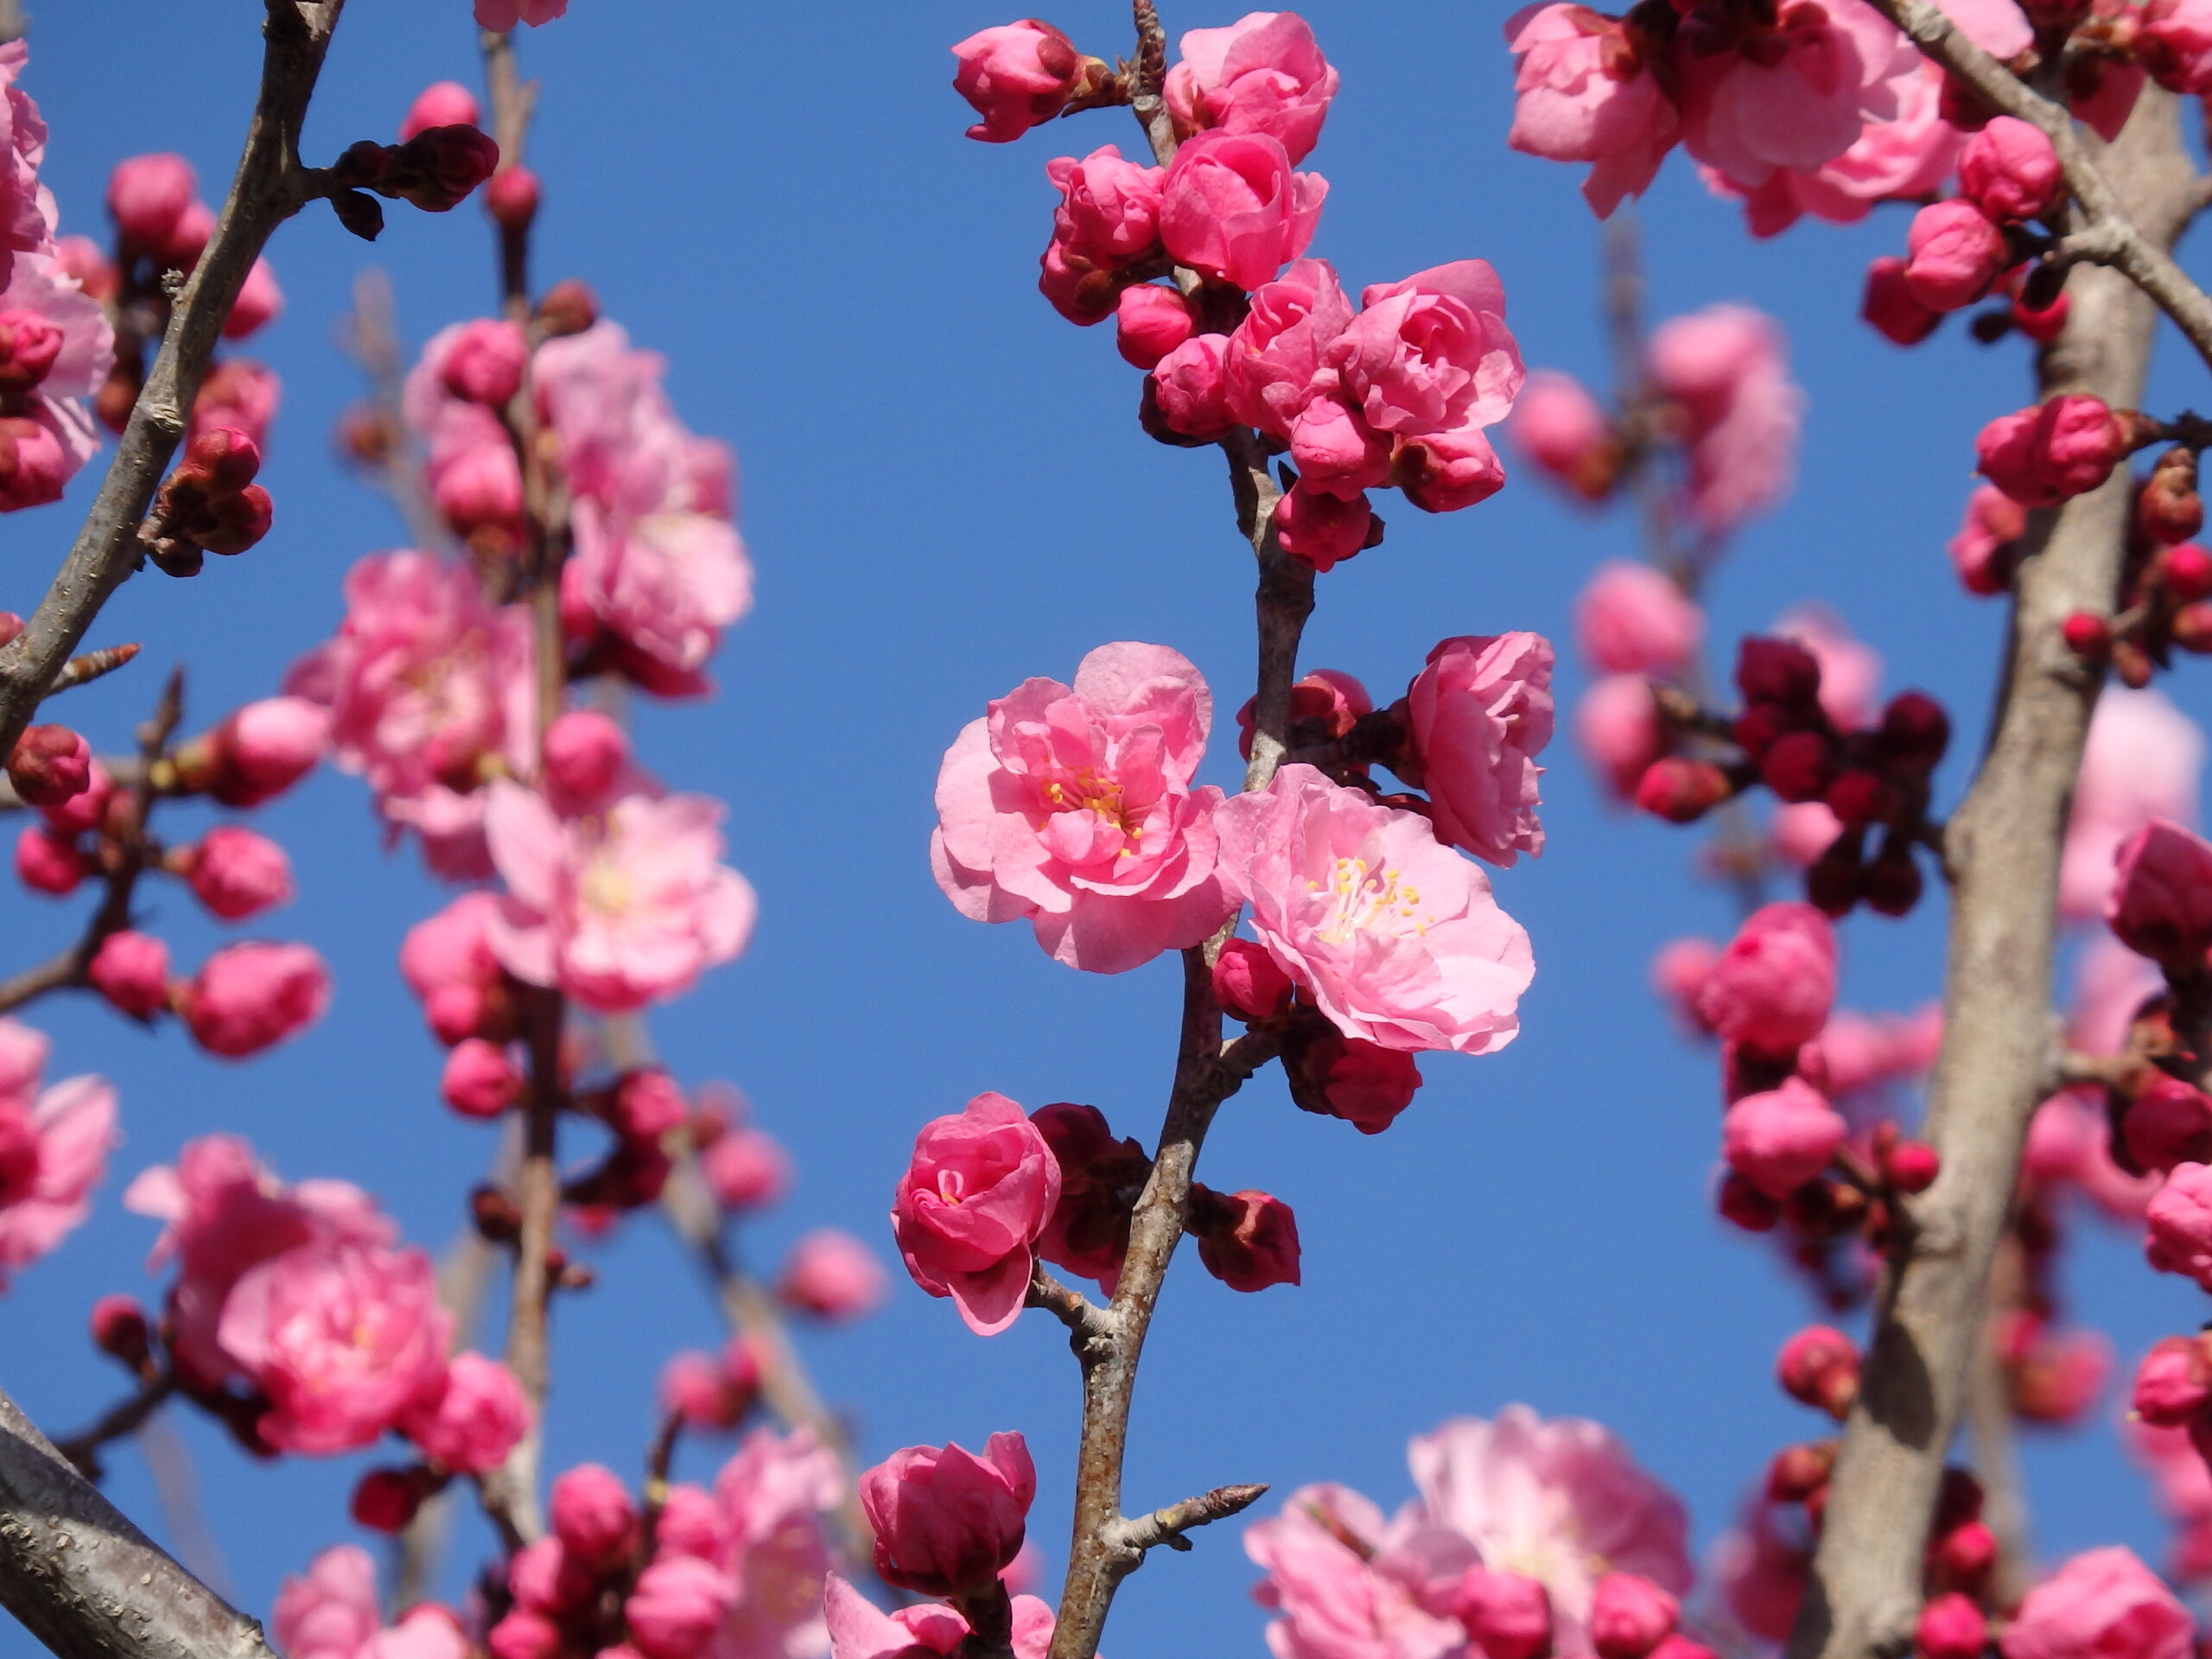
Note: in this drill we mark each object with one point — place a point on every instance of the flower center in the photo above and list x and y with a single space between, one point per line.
1367 900
1085 791
606 886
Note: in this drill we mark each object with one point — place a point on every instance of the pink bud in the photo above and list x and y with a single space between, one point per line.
1336 1075
49 766
1189 390
1016 76
148 195
1508 1615
2180 1218
120 1331
1820 1366
1631 618
1447 471
477 1416
592 1513
1951 1626
679 1603
696 1385
1681 790
1780 1138
441 104
485 362
1955 253
1336 452
1249 984
237 872
1249 1241
1321 529
249 997
84 811
2042 455
1679 972
746 1169
511 198
263 749
29 343
543 1578
832 1275
1561 427
131 970
1775 983
2174 1382
2010 171
647 1104
259 302
2175 44
585 752
1911 1166
1616 728
947 1522
1150 322
46 862
2168 1123
1890 306
1629 1616
2161 901
480 1080
523 1635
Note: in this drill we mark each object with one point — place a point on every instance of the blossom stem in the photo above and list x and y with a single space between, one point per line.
2003 846
118 1421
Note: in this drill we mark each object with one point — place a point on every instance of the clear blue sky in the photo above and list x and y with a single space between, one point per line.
945 490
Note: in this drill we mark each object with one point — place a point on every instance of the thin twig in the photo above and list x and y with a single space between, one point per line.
92 665
1167 1526
120 1421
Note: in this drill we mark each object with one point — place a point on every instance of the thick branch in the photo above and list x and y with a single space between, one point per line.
267 190
87 1582
2003 847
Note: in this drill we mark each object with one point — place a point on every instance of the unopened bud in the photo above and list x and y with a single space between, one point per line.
511 198
1910 1165
569 307
1249 984
1819 1366
2188 573
50 764
1739 1202
120 1331
385 1500
2088 635
1798 1471
2170 511
1798 766
1951 1627
1894 883
1681 790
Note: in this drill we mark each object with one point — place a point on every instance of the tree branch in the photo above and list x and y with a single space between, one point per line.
87 1582
1167 1526
2003 846
267 189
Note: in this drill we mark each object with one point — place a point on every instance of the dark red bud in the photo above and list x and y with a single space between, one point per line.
1681 790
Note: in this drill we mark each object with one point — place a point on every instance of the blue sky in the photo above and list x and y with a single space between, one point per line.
945 490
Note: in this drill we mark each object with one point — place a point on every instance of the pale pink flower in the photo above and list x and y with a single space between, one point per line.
1275 354
67 1134
2070 1141
2143 761
618 909
472 1420
1074 807
1629 618
1800 831
832 1275
858 1629
776 1497
503 14
1559 426
621 445
342 1337
1561 1501
976 1198
1479 714
1395 937
1727 368
1231 207
665 584
53 430
1263 73
2103 1603
1331 1602
426 1630
1430 352
331 1611
1585 94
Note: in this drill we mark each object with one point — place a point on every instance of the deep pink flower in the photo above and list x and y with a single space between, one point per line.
503 14
947 1522
2043 454
1150 320
1953 254
676 1607
1479 714
1616 728
1231 207
1726 367
262 749
448 962
1430 352
148 194
1254 1245
974 1199
1444 472
58 1148
1985 546
1109 207
746 1168
471 1421
131 970
237 872
832 1275
860 1630
2161 902
1017 76
251 996
1780 1138
1890 307
1629 618
343 1338
1190 388
259 302
441 104
1322 529
483 361
1395 937
2103 1603
2174 41
620 443
1905 158
2009 169
1342 1077
2180 1218
1275 354
592 1513
1263 73
25 207
619 908
1585 93
1074 808
2142 763
1773 985
1336 451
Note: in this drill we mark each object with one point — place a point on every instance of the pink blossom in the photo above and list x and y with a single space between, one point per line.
473 1419
26 208
1017 76
1322 529
2175 44
1231 207
1800 831
441 104
832 1275
1629 1616
1780 1138
1150 320
1431 352
947 1522
1444 472
1629 619
259 302
343 1338
2068 1141
2182 1487
775 1496
448 962
1109 207
677 1605
1333 1601
1776 983
2009 169
1342 1077
131 970
1851 670
2180 1217
1396 939
665 584
483 361
1616 728
1985 549
1075 808
251 996
2045 453
1263 73
148 194
1336 451
860 1630
60 1147
239 393
746 1168
332 1612
584 753
1479 714
973 1203
1558 425
1907 157
503 14
1275 355
1726 367
1253 1242
1953 254
618 909
1190 388
1890 307
262 749
426 1630
620 443
237 872
2103 1603
51 427
1679 971
592 1513
2161 902
2142 763
1585 93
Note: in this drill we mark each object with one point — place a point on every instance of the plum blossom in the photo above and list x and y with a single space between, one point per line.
59 347
1396 939
1727 368
1631 618
1073 807
858 1629
505 14
1479 714
54 1148
2103 1602
618 908
969 1211
1333 1601
27 213
1263 73
1231 207
1586 91
2143 761
1430 352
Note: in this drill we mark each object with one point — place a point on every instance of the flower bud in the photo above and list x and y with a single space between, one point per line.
441 104
1954 254
48 862
261 750
259 302
511 198
831 1275
745 1169
523 1634
676 1608
2168 1124
485 362
237 872
1773 987
480 1080
1892 309
1248 1240
2087 635
1799 766
567 308
2044 455
1819 1366
1629 1616
1017 76
1506 1615
1323 530
2160 904
87 811
1189 390
120 1331
251 996
1779 671
1910 1165
2170 511
1951 1626
131 970
1149 322
1337 1076
647 1105
2010 171
1681 790
1249 984
1893 884
592 1513
439 168
50 763
29 344
1915 732
1798 1471
148 195
1781 1138
385 1500
947 1522
2174 1382
584 752
1743 1204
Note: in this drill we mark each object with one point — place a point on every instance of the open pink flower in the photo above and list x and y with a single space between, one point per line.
1395 937
776 1498
1585 93
976 1197
1430 352
1075 809
343 1338
1631 618
332 1610
1275 355
473 1419
26 221
2142 763
1480 713
665 584
1333 1601
1727 368
618 908
1263 73
56 1152
859 1629
1231 207
2103 1603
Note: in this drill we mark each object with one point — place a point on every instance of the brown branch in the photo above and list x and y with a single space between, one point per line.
1167 1526
2003 845
369 335
118 1421
513 102
88 1584
267 189
1086 1321
2111 234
